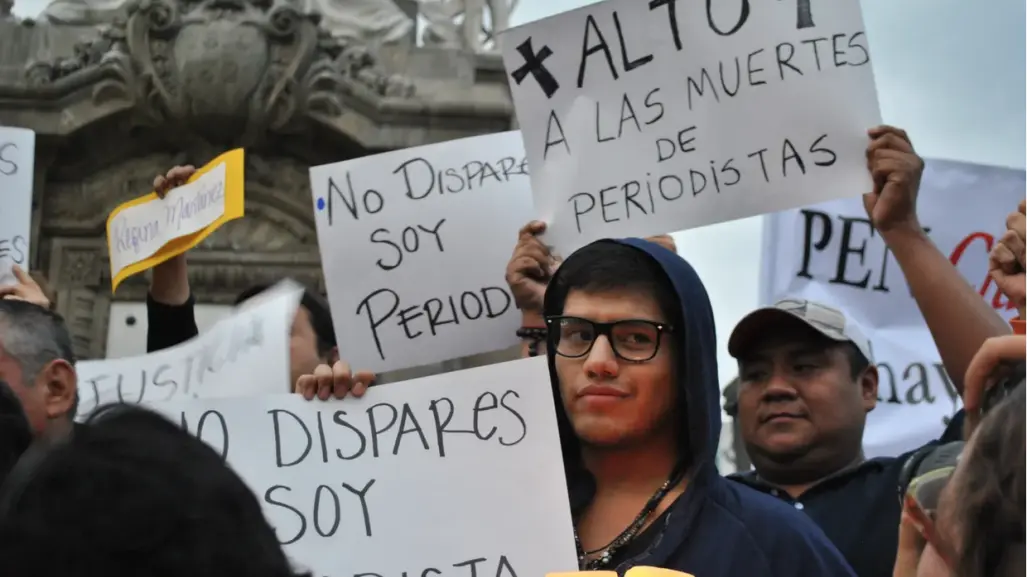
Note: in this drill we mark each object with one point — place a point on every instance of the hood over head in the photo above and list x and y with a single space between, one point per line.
697 376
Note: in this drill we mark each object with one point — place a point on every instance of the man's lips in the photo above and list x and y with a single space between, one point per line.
601 391
781 416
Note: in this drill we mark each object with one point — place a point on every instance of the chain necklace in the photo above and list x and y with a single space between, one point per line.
600 561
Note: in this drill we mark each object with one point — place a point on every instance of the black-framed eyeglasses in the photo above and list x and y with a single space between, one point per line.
634 340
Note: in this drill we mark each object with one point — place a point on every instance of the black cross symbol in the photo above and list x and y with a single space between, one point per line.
533 65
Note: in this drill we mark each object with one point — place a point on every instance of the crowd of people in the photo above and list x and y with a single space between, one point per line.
629 335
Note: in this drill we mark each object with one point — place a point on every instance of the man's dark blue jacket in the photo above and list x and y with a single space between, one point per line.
717 528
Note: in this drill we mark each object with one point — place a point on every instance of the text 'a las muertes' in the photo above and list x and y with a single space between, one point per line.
140 231
413 247
644 117
17 161
434 468
246 353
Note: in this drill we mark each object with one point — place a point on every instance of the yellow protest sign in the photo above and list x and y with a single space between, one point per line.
148 230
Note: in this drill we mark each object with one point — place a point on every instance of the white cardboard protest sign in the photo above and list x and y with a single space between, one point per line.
458 474
17 162
139 231
644 117
414 245
246 353
830 253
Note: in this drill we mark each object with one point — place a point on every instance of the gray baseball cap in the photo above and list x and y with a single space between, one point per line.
828 321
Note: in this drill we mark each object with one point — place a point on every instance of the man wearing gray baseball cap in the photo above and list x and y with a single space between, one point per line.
806 383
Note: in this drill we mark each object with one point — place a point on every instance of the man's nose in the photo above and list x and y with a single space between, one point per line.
601 362
779 387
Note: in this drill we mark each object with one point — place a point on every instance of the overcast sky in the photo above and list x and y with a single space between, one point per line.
950 72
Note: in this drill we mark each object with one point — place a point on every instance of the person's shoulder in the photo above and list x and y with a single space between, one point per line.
791 542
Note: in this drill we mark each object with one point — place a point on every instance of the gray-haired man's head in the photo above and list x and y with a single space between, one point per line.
38 363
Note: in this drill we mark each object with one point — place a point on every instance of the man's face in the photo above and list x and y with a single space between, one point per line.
797 397
610 401
50 395
303 347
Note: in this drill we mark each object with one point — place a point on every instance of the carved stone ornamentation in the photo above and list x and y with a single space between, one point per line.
173 82
202 61
461 23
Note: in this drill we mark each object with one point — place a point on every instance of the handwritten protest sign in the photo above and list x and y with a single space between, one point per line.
147 231
17 159
456 475
644 117
244 354
414 245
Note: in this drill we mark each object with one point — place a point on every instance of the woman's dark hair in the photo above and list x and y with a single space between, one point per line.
15 432
989 495
132 494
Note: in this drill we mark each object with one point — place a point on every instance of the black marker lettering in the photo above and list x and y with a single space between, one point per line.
788 152
362 495
441 423
520 419
629 65
377 322
549 132
303 521
429 172
586 50
672 18
861 47
336 514
578 212
375 431
742 18
278 438
783 61
372 200
376 238
408 415
7 165
650 104
339 420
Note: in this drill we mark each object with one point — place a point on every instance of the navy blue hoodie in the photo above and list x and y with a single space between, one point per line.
717 528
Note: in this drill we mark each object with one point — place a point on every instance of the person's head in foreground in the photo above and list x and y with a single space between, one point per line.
132 494
977 527
312 341
806 383
632 359
38 363
15 432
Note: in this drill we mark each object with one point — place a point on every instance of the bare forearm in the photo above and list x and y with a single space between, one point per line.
170 282
958 318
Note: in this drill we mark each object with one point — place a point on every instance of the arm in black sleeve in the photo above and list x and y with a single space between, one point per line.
169 325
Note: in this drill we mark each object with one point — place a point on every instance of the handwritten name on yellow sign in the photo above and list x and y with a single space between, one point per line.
148 230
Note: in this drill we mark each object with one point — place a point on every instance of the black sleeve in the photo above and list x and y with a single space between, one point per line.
169 325
954 431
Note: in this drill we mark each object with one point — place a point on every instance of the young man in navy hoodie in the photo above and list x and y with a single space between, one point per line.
632 357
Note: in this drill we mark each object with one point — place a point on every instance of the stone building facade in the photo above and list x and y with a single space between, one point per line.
179 81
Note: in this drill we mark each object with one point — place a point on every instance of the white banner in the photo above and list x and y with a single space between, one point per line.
414 245
246 353
17 161
830 253
643 117
454 474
